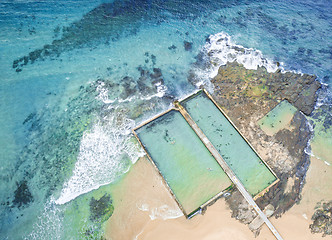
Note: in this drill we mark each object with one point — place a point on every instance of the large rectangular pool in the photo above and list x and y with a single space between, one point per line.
187 166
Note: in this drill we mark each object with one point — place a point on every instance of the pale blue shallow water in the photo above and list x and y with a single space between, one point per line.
67 108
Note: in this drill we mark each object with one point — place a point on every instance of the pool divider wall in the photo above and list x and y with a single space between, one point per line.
244 138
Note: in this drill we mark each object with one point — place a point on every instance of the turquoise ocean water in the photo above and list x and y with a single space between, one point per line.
76 76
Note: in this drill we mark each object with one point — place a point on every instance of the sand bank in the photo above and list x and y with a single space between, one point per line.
140 196
143 189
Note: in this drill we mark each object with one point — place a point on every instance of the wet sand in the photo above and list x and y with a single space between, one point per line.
140 196
143 188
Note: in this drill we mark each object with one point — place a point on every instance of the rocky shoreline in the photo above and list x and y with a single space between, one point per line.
322 219
246 96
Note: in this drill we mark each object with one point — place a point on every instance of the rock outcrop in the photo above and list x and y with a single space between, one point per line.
246 96
322 220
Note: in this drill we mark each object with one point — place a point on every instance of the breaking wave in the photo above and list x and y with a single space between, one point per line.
220 49
106 152
49 225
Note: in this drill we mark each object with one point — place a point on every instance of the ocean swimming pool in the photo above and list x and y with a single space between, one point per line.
234 149
187 166
191 173
278 118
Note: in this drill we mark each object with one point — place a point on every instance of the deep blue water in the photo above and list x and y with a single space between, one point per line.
76 76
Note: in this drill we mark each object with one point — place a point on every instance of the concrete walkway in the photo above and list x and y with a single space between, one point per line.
227 170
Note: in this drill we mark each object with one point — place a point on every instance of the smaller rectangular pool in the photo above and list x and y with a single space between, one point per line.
278 118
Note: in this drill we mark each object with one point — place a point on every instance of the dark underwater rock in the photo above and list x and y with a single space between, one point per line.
156 73
173 47
129 87
187 45
22 195
29 118
149 82
322 220
101 209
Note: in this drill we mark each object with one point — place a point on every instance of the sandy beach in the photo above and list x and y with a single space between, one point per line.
143 204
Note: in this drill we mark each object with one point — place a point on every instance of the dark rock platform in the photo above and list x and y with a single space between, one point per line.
246 96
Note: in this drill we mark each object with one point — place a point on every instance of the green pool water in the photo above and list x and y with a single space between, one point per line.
190 170
278 118
240 157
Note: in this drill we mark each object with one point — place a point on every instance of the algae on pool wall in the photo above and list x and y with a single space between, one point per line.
189 169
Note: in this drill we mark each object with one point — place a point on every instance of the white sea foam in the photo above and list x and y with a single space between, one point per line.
161 90
103 93
165 212
221 49
144 207
324 98
102 157
49 224
161 212
308 150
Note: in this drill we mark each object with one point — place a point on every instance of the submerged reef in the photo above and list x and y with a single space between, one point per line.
101 209
54 133
246 96
22 194
103 24
110 21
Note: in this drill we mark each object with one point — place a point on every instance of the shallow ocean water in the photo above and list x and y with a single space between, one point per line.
76 76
